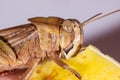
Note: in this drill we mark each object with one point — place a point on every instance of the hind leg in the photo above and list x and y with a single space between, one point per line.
7 56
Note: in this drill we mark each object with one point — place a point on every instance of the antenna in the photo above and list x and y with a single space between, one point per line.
95 17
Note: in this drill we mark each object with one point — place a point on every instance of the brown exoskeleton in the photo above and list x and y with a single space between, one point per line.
27 45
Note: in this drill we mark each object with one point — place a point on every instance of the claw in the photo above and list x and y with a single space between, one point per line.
63 54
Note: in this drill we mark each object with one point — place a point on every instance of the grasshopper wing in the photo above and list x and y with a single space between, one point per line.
18 34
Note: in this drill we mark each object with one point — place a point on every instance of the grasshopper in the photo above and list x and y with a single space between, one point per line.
27 45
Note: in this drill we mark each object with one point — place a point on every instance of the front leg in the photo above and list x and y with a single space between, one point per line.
32 65
59 62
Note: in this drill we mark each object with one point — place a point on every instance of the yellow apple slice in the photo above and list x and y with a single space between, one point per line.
91 64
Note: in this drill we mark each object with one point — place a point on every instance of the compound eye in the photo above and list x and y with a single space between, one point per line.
68 26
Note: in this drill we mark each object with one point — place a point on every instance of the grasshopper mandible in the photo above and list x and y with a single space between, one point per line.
27 45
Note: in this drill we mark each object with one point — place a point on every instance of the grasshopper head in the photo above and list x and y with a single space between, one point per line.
71 37
71 34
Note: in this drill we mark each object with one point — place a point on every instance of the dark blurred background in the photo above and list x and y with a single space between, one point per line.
108 43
